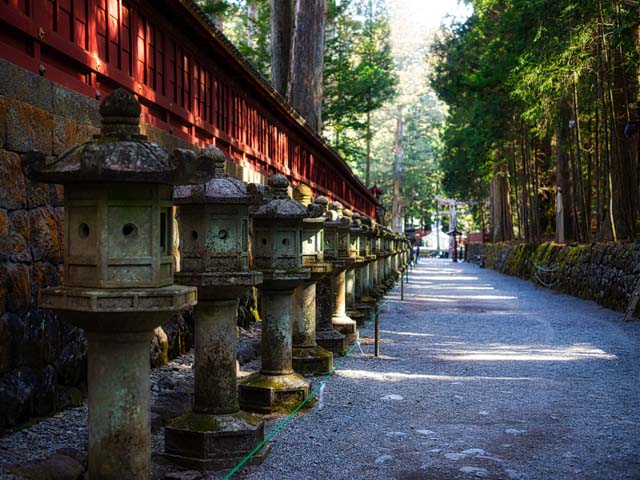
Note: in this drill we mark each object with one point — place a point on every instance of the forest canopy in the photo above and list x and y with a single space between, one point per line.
540 93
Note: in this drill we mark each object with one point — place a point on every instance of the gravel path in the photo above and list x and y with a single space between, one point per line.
481 376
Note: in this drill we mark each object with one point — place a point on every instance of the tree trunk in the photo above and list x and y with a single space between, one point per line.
564 218
396 205
304 91
501 218
368 158
281 35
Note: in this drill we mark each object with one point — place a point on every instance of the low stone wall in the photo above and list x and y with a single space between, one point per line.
43 359
604 273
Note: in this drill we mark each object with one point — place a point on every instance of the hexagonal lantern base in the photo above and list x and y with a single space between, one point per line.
356 315
347 327
312 360
272 393
367 309
332 341
214 441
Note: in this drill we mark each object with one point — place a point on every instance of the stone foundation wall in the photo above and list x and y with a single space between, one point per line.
604 273
43 359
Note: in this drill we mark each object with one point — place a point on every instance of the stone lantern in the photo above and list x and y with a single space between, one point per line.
118 282
337 236
364 303
386 277
277 253
308 357
356 234
214 252
326 336
377 290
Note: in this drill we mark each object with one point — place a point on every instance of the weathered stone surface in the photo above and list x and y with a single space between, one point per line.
20 84
44 275
19 233
6 347
56 467
47 237
159 348
67 132
12 185
42 359
28 128
71 362
15 389
18 288
179 331
75 106
38 194
6 246
605 273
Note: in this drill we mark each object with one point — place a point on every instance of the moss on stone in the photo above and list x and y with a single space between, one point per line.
195 422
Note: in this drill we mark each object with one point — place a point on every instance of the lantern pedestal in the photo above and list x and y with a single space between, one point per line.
326 336
119 326
210 442
340 320
350 291
307 357
216 434
119 394
276 388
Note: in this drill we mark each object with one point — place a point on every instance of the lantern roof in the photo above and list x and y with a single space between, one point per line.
280 206
221 189
118 154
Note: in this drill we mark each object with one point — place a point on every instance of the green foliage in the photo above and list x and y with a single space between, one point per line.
504 74
359 73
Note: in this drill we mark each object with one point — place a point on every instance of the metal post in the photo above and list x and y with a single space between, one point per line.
401 289
377 335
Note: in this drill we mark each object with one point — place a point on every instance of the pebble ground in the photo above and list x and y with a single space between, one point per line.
481 375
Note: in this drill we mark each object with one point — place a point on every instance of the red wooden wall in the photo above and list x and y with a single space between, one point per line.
190 80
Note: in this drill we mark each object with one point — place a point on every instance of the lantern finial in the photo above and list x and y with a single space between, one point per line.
279 185
120 115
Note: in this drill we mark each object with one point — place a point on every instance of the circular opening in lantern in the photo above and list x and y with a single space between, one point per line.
285 241
84 230
222 234
194 235
130 230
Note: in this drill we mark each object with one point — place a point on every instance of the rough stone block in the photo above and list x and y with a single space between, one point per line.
68 133
19 232
38 194
5 236
28 128
57 195
75 106
18 83
18 288
16 388
71 363
47 237
6 347
44 275
12 182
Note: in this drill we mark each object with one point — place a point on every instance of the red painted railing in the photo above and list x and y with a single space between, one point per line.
190 80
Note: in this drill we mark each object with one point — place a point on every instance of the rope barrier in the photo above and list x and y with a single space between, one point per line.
320 387
544 270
